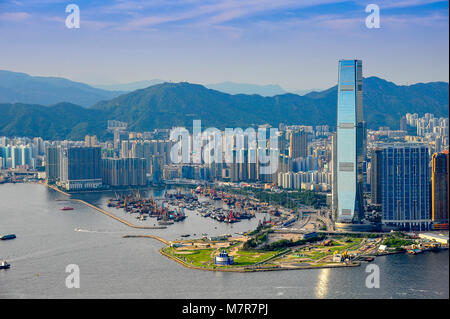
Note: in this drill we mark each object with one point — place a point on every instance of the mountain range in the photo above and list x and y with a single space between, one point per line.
18 87
127 87
170 104
245 88
225 87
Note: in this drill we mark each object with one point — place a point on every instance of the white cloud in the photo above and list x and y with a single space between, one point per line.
217 12
384 4
14 16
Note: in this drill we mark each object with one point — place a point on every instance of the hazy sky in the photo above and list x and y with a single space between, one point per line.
294 43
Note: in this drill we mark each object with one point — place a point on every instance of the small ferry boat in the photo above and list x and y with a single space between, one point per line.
6 237
66 208
414 251
4 265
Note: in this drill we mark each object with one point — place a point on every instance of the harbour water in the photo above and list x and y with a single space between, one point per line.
49 239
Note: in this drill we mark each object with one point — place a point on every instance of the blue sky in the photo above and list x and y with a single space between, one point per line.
292 43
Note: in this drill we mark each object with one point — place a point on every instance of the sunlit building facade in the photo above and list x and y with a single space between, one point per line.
405 186
80 168
350 144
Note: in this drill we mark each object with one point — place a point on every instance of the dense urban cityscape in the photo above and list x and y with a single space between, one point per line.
401 178
323 196
223 154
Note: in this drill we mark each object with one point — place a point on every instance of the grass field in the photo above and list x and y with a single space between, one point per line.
197 257
316 253
202 257
245 258
242 258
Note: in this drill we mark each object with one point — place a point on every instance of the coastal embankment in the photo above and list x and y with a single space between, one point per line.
243 269
253 268
123 221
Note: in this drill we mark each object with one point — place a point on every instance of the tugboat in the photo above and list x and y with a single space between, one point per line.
66 208
4 265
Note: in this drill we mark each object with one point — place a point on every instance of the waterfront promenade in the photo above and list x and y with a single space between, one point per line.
281 261
168 243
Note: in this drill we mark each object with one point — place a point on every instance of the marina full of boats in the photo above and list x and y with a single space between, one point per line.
235 207
146 207
207 202
175 205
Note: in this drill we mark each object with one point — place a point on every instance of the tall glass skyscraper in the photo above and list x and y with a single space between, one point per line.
350 143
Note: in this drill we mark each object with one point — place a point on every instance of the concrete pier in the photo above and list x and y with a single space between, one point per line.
148 236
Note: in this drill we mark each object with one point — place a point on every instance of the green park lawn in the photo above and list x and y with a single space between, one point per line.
245 258
202 257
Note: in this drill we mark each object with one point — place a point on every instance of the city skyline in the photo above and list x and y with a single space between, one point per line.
221 41
175 149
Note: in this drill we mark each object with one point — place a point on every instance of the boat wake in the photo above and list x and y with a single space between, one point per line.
95 231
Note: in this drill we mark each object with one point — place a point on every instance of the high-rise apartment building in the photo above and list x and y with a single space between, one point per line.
52 163
298 144
439 189
403 123
334 176
375 178
91 140
405 186
21 156
81 168
124 171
